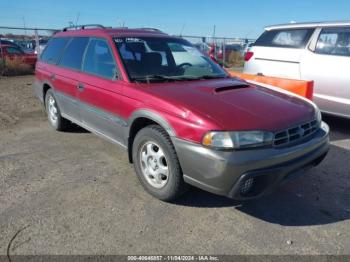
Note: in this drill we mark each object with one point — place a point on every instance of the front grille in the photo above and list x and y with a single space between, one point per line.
295 134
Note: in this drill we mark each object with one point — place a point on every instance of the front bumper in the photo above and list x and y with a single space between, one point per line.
225 172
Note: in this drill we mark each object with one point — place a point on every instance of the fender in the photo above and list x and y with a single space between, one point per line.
147 113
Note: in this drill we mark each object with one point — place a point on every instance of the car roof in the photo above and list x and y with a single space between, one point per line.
308 25
114 32
7 42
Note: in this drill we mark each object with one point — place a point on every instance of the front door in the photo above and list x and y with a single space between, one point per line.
100 91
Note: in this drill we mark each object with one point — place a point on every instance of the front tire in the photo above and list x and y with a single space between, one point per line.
156 164
54 114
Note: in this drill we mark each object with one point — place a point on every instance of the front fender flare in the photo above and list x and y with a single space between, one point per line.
151 115
146 113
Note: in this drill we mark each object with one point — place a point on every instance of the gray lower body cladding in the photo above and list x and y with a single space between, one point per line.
224 172
219 172
38 90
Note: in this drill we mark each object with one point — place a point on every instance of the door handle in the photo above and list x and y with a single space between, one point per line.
52 77
80 87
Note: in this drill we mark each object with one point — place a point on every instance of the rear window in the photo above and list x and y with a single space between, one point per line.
53 50
289 38
73 54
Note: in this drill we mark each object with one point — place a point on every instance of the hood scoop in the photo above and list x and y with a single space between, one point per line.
230 87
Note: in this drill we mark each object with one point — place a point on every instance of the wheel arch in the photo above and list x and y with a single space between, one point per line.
44 88
139 120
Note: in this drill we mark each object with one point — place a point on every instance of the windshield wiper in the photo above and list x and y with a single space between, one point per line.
213 76
188 77
150 78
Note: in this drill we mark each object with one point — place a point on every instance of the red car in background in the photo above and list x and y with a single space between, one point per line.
12 52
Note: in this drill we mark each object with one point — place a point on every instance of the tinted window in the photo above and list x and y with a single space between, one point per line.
53 50
165 59
334 41
137 49
6 42
14 51
99 59
73 54
291 38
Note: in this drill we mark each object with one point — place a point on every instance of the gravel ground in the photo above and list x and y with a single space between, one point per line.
74 193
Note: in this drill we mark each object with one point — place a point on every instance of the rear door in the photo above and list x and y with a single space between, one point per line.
46 67
278 52
328 64
67 78
100 92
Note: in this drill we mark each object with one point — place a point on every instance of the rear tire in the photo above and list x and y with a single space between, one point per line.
156 164
54 114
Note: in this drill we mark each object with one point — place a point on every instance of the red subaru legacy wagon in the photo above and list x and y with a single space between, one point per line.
180 117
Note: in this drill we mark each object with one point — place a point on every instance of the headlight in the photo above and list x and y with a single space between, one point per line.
237 140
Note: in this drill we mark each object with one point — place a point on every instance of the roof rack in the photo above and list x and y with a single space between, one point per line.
76 27
149 29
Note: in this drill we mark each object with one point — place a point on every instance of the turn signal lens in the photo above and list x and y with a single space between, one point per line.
218 140
207 139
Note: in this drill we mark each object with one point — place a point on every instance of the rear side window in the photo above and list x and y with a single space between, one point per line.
14 51
53 50
334 41
99 59
289 38
73 54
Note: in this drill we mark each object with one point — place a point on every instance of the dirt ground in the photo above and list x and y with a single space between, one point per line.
74 193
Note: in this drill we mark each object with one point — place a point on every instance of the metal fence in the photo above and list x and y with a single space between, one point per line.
30 40
227 51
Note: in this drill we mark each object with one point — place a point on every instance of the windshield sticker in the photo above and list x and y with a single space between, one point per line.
128 40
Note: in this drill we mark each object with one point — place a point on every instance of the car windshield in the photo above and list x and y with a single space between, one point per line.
156 59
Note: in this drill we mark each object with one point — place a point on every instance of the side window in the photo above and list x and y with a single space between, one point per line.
290 38
334 41
53 50
13 51
73 54
99 59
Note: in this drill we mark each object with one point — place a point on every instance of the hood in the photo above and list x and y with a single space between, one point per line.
233 104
